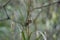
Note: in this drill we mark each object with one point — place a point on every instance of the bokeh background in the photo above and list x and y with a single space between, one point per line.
18 18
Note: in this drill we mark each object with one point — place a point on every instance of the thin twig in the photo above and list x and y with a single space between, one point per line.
37 16
7 16
6 3
6 13
45 5
3 7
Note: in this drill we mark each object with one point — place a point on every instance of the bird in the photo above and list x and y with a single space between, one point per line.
28 22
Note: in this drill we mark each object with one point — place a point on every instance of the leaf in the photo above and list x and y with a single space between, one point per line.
38 37
23 36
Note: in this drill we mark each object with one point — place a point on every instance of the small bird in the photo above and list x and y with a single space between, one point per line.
28 22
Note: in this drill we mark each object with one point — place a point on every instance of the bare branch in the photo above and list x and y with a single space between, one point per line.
6 3
37 16
45 5
1 6
6 13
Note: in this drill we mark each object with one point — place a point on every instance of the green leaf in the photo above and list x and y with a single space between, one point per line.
23 36
38 38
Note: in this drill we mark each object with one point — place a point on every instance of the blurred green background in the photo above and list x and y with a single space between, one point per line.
44 14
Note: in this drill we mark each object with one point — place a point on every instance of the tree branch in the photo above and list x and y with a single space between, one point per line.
6 3
45 5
